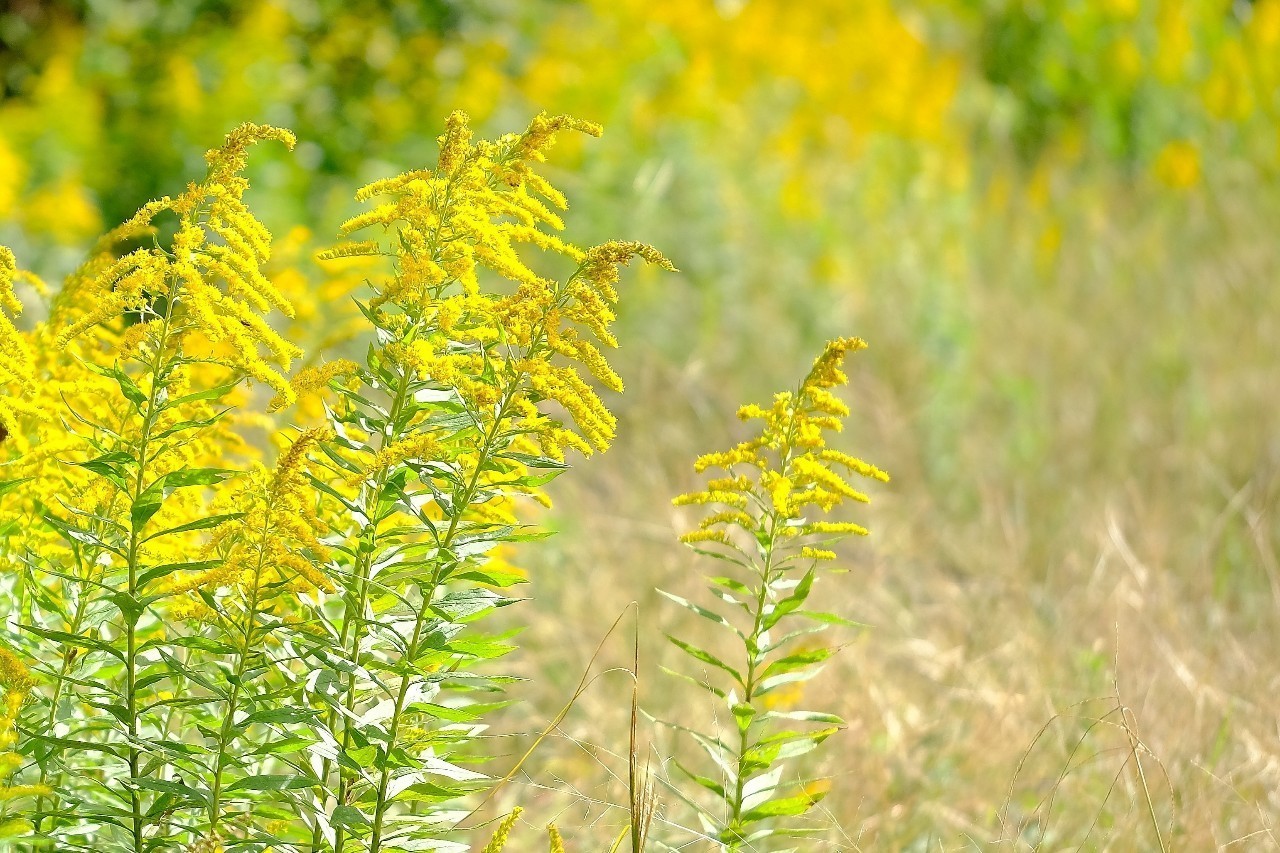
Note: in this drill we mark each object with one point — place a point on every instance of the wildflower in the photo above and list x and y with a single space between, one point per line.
16 368
210 278
789 466
1178 165
473 212
499 839
15 680
695 536
260 548
313 379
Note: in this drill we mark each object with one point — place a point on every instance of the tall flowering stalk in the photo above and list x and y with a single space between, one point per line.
768 522
467 402
187 328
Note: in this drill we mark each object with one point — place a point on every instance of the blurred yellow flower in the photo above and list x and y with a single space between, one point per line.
62 210
1178 165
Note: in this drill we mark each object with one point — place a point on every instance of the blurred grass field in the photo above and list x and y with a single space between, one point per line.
1053 221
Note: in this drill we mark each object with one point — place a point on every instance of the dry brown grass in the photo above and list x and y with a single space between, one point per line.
1074 570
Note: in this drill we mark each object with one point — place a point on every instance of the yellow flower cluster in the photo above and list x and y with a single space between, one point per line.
16 369
500 835
208 286
466 220
261 550
792 469
315 379
15 681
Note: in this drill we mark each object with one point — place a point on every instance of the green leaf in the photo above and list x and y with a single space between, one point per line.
791 602
465 714
804 716
783 745
130 608
785 807
7 486
215 393
150 574
830 619
70 531
184 477
186 425
793 677
128 387
273 782
204 644
349 817
77 640
492 576
707 658
153 496
743 714
108 465
536 461
710 784
199 524
275 716
709 615
184 792
797 660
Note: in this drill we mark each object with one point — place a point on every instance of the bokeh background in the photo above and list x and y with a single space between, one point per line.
1056 224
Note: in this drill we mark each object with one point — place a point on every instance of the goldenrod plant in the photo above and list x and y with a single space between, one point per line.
207 652
769 525
451 422
117 734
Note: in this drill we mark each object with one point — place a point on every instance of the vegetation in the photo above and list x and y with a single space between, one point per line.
253 602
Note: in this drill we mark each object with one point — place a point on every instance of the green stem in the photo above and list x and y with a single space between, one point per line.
753 660
353 616
88 578
242 657
68 657
752 643
135 542
437 578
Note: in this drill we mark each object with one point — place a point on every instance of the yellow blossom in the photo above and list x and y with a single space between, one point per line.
788 467
209 280
499 840
1178 165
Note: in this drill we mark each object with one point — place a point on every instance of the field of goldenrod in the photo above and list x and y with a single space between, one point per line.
285 429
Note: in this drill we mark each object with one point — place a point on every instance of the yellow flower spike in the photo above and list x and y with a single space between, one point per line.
16 363
315 379
14 675
499 840
793 466
211 275
255 549
542 131
837 527
8 272
555 842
